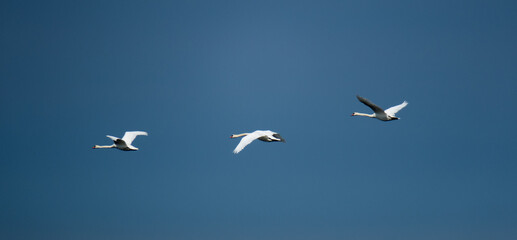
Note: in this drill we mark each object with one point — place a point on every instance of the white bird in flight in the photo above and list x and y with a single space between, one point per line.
263 135
384 115
124 143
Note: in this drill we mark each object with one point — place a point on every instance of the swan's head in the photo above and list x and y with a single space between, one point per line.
95 146
238 135
354 114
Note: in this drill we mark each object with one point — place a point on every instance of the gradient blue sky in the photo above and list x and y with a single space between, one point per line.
191 73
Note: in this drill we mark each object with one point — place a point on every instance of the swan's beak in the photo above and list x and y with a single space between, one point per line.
231 136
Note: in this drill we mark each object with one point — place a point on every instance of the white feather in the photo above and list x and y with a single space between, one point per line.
246 140
124 143
379 113
131 135
393 110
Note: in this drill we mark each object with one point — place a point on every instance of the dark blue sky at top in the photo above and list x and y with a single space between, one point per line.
191 73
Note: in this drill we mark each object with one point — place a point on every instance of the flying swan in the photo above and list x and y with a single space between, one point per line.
123 143
384 115
263 135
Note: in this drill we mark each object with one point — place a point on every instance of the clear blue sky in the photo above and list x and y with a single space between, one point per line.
191 73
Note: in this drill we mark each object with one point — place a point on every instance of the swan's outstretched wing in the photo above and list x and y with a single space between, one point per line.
112 138
130 136
374 107
392 110
247 140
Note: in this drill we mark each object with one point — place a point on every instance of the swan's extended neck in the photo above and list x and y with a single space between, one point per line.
110 146
363 114
238 135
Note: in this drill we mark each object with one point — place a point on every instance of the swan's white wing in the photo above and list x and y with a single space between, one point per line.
374 107
247 140
112 138
392 110
130 136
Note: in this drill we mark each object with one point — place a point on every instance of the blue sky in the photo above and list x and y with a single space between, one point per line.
191 73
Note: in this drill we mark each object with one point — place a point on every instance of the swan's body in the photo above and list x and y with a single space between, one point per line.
379 113
262 135
123 143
